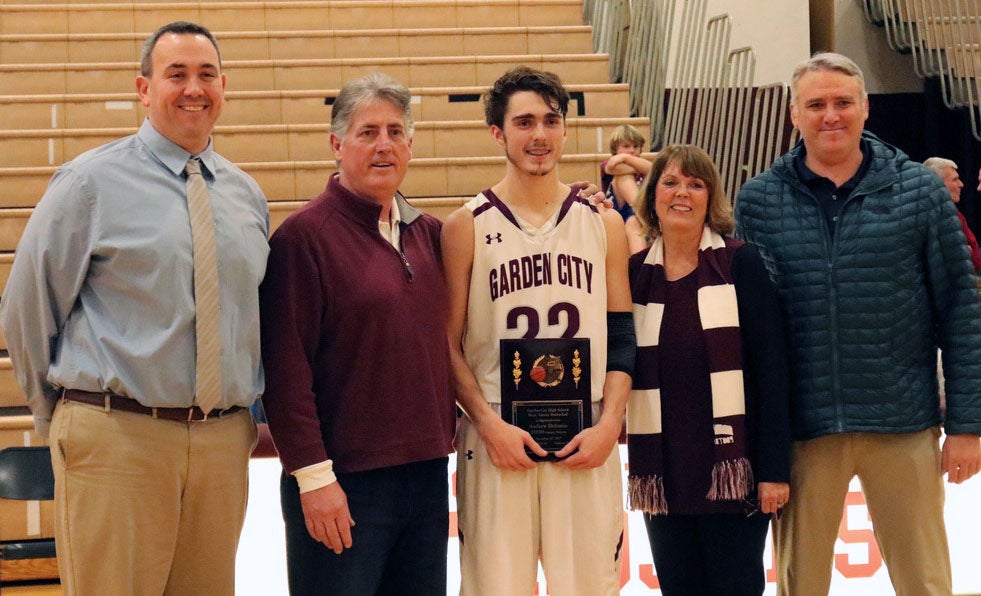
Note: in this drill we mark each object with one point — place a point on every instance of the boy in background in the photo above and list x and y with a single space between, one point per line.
621 177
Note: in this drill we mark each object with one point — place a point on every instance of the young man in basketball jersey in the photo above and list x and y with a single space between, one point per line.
541 341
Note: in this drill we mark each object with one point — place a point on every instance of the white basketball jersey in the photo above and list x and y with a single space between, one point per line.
545 283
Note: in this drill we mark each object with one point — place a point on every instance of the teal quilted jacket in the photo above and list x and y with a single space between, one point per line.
866 310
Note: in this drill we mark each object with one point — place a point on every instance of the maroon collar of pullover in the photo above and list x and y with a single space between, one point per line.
363 210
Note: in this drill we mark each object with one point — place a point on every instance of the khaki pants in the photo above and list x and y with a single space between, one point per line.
903 486
147 506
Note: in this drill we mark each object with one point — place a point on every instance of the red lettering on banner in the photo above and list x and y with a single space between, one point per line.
646 574
862 536
454 528
771 573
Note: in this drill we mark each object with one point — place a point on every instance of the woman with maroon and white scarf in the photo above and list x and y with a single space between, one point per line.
708 418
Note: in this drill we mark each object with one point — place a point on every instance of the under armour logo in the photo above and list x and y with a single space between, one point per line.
495 238
470 451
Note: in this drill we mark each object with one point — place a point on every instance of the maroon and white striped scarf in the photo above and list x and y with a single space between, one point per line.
732 474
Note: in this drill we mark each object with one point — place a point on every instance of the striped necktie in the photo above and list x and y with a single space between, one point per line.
207 376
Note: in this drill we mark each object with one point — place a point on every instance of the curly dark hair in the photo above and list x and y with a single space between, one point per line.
524 78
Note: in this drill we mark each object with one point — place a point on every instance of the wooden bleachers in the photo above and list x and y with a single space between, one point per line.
11 227
944 39
916 12
13 221
67 75
282 45
115 110
432 71
290 180
293 142
22 520
10 394
966 61
943 32
102 17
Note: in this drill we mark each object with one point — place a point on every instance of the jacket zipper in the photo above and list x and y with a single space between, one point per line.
406 265
862 189
830 247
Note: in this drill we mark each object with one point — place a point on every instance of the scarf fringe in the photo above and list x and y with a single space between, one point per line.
646 493
731 480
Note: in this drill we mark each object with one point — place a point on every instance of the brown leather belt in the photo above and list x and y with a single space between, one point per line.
111 401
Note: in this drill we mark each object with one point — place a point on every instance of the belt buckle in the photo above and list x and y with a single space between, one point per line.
191 418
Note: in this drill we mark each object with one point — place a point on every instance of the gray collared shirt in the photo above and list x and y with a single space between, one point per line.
101 295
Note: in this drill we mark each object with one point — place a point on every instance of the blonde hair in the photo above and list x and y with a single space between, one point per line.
694 162
623 135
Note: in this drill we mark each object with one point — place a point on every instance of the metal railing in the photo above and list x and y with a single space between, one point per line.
646 67
944 38
712 102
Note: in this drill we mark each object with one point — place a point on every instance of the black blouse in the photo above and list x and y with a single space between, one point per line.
686 400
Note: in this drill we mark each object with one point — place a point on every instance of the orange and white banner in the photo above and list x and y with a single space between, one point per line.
858 567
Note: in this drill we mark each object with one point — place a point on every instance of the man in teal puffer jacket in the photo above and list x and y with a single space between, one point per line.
874 275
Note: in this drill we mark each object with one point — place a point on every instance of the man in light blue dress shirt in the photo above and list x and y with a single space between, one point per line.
99 318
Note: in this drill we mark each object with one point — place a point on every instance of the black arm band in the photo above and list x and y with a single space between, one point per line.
621 343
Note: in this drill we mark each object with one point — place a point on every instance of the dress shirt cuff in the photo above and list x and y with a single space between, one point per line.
315 476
